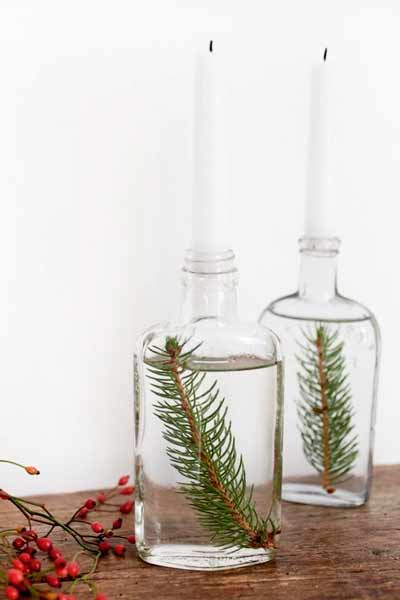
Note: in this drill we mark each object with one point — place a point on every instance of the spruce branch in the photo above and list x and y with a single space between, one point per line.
201 447
325 410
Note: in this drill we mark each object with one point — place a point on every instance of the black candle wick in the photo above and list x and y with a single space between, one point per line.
211 46
325 54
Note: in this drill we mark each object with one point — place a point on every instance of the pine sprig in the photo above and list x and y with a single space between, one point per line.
325 409
201 447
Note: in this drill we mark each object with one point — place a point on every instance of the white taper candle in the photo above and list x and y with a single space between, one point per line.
319 213
210 205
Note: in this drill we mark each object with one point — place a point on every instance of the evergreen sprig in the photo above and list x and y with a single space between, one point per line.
201 447
325 409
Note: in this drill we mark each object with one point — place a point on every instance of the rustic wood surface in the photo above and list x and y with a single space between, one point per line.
324 554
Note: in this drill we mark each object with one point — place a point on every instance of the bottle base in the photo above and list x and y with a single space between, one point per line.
203 558
314 494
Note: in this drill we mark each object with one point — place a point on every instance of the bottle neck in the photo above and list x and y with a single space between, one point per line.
209 286
318 268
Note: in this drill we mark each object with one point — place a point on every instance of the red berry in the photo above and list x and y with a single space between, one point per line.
15 576
55 553
35 565
29 534
53 581
25 557
32 470
4 495
11 593
97 527
31 550
82 514
18 543
101 597
24 586
119 549
60 562
44 544
17 564
127 491
104 546
109 533
73 569
117 523
90 503
66 597
123 480
131 539
126 507
101 498
62 572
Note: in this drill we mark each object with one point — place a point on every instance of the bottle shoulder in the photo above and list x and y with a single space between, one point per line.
339 308
215 338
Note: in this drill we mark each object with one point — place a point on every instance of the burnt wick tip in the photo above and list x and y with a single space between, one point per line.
325 54
211 46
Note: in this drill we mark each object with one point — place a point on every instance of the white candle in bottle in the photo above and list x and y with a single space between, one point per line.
209 205
319 214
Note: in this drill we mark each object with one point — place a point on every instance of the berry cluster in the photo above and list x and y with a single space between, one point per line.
33 566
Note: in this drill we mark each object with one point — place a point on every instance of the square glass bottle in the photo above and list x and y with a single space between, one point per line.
208 406
331 346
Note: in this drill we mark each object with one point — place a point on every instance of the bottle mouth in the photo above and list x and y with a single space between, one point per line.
209 263
317 246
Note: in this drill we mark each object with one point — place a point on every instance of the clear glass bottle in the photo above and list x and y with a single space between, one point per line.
208 412
331 348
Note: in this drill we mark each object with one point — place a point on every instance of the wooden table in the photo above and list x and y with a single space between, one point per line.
324 554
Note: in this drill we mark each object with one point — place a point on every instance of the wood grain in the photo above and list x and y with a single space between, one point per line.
324 554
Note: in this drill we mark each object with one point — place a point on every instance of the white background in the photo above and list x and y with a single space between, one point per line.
96 182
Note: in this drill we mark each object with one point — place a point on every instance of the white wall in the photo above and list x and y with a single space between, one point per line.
95 187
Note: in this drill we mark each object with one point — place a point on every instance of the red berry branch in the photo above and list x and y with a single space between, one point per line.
31 566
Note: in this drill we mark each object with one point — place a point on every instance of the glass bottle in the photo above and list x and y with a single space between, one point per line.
208 412
331 348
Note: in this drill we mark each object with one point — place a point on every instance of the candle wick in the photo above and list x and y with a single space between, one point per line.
325 54
211 46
